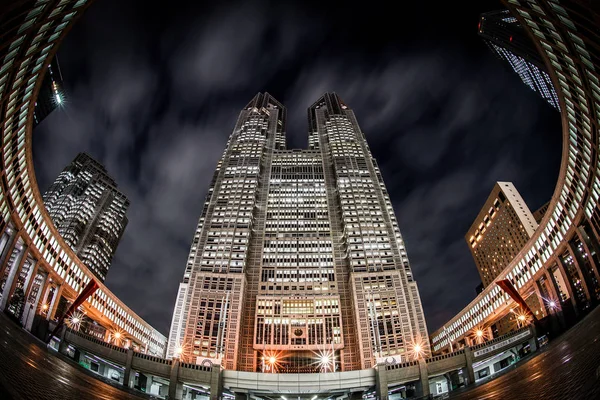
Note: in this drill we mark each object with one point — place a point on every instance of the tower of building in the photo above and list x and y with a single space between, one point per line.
51 93
509 41
297 256
502 228
88 211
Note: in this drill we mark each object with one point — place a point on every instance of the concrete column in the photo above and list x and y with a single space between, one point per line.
54 304
552 289
62 346
33 270
127 374
582 275
175 387
469 362
148 383
565 275
381 383
215 382
533 342
11 280
424 378
586 275
7 250
588 245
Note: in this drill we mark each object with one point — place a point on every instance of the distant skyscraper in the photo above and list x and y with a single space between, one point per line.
508 40
297 263
502 228
540 212
88 211
51 93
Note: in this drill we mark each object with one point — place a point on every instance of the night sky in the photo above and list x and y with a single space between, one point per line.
153 93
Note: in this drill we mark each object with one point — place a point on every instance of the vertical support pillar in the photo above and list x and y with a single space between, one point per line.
127 374
555 313
589 277
54 304
533 342
13 274
565 275
33 270
62 346
588 245
7 251
423 378
381 383
175 388
577 265
469 362
44 292
215 382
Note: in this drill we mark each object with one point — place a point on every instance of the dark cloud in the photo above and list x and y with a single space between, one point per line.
155 96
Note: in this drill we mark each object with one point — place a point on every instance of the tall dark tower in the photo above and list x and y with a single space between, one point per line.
297 264
51 93
508 40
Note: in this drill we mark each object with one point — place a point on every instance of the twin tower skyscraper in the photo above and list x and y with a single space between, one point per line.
297 263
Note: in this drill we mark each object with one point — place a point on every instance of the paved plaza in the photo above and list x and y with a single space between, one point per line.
28 370
568 368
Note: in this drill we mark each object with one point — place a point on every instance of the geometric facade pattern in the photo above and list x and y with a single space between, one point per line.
88 211
562 257
502 228
297 252
36 265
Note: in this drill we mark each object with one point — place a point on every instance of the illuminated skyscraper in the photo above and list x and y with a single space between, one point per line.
297 263
508 40
502 228
88 211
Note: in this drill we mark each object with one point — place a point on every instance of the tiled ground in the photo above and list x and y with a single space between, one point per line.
29 371
568 368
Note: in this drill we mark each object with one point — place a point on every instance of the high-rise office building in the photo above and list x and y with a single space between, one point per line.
502 228
509 41
297 263
88 211
51 93
540 212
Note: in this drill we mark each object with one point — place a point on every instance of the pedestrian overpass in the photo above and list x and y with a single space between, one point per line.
213 381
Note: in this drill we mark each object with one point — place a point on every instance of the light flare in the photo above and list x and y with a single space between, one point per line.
417 348
74 320
116 336
325 360
272 361
479 334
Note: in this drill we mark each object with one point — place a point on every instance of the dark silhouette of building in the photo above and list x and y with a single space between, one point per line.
51 93
508 40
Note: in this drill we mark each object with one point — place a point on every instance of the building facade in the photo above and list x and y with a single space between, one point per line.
88 211
540 212
561 260
509 41
37 266
297 255
500 231
51 93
